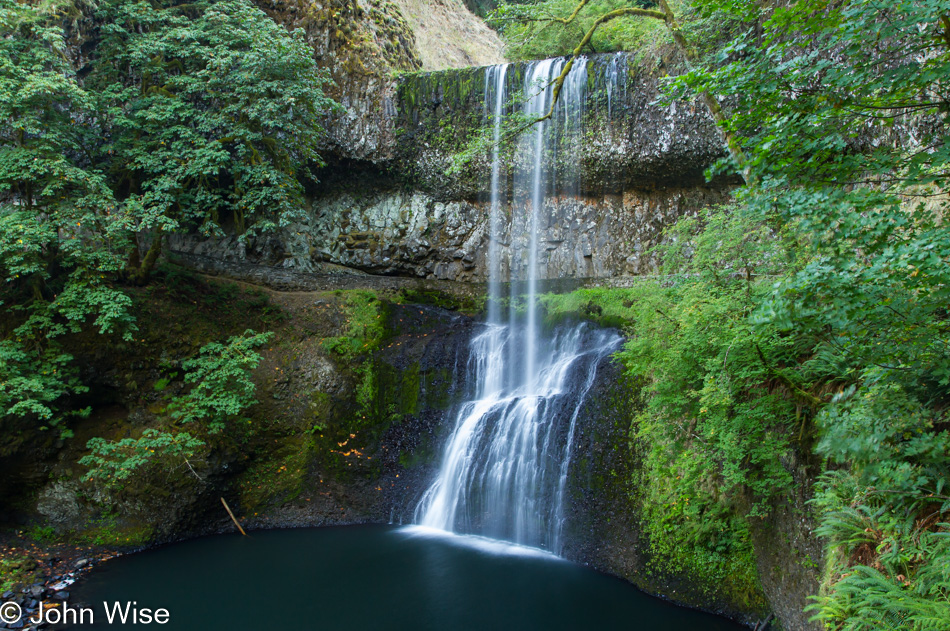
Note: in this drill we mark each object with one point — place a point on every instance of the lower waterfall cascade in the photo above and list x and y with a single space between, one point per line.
505 467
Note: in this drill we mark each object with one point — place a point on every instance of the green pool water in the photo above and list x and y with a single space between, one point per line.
372 577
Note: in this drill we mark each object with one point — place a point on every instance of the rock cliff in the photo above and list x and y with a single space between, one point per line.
406 208
364 45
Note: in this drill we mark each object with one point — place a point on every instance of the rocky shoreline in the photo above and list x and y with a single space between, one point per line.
56 569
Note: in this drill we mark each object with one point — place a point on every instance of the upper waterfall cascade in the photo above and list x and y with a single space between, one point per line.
504 470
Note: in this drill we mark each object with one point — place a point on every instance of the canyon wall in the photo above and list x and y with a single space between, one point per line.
399 200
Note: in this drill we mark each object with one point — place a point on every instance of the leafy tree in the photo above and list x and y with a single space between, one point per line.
534 29
212 113
193 116
63 235
220 390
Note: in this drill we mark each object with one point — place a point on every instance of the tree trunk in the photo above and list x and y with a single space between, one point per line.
141 275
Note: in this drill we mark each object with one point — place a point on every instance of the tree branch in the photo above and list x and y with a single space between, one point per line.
140 275
667 16
573 16
607 17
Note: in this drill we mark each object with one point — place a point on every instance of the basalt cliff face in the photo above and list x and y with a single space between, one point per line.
364 45
361 45
396 200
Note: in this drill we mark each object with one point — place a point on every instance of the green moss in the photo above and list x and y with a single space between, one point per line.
440 114
386 388
608 307
17 569
409 392
425 453
278 477
470 302
382 393
319 411
366 392
398 394
109 530
723 568
363 328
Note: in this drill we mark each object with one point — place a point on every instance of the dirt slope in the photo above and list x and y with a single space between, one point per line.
448 35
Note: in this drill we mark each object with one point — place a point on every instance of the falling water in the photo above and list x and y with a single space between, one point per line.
495 97
537 86
612 77
505 467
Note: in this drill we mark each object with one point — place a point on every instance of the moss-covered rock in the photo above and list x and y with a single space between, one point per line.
626 139
609 523
17 568
361 45
349 386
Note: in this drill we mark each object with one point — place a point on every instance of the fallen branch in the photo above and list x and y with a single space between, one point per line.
190 468
233 518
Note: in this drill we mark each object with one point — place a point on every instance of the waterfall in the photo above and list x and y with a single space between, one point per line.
505 467
612 76
495 103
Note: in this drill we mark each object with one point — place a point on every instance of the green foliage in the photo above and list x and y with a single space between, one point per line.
364 329
220 390
606 306
31 384
42 533
821 133
114 462
723 401
716 421
478 143
221 386
162 383
718 416
213 111
839 111
531 31
468 302
889 551
188 116
62 236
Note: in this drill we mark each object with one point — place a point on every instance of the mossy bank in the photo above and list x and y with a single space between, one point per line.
350 393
